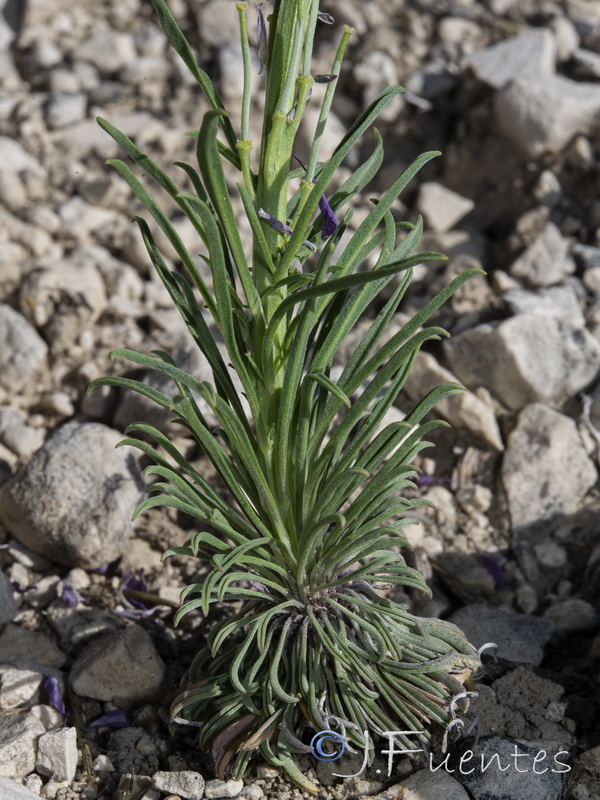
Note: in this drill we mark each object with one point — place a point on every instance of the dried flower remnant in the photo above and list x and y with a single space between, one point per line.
262 46
326 18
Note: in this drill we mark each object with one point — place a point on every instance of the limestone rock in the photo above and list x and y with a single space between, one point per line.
18 744
441 207
546 261
73 501
23 351
528 55
186 784
546 471
57 754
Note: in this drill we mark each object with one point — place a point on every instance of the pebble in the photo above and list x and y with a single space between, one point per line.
520 637
542 115
441 207
546 261
124 668
19 645
185 784
109 51
12 790
216 789
586 255
546 471
555 301
23 351
57 754
572 616
527 358
18 686
428 785
8 604
18 743
65 108
73 500
19 437
528 55
550 555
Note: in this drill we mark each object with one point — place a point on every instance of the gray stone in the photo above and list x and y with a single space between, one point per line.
57 754
508 777
124 668
441 207
528 358
18 686
542 116
547 189
19 437
109 51
520 637
18 743
528 55
25 647
586 64
12 790
216 789
8 604
555 301
546 471
146 69
584 780
23 351
73 501
546 261
65 108
464 410
186 784
428 785
587 256
572 616
14 158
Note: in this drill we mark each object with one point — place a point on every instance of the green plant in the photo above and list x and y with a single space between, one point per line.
311 534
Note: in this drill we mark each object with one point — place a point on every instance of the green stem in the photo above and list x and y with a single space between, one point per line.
242 7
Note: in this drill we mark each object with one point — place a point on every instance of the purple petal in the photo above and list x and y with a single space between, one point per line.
101 570
258 586
136 584
69 595
279 226
121 718
52 689
20 590
330 223
495 570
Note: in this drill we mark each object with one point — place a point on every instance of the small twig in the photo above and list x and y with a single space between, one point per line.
152 599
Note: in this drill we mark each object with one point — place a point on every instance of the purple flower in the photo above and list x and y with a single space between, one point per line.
69 595
495 570
275 223
52 689
101 570
330 223
135 584
121 718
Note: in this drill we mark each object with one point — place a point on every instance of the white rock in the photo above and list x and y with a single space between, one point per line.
464 410
528 358
555 301
73 500
572 616
124 668
441 207
57 754
427 785
186 784
11 790
15 158
550 554
566 36
546 261
23 351
65 108
18 743
80 219
146 69
50 718
216 789
546 471
543 115
18 686
547 189
528 55
109 51
19 437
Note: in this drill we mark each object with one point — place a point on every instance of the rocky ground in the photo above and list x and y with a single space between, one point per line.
509 90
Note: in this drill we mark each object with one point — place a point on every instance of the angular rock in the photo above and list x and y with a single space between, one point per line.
542 115
57 754
520 637
584 781
8 604
17 686
464 410
29 648
546 471
109 51
19 437
528 358
23 351
508 776
73 501
18 744
555 301
186 784
441 207
428 785
65 108
546 261
530 54
124 668
12 790
572 616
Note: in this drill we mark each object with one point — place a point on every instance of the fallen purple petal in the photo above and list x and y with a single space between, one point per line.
495 570
20 590
121 718
330 223
52 689
69 595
